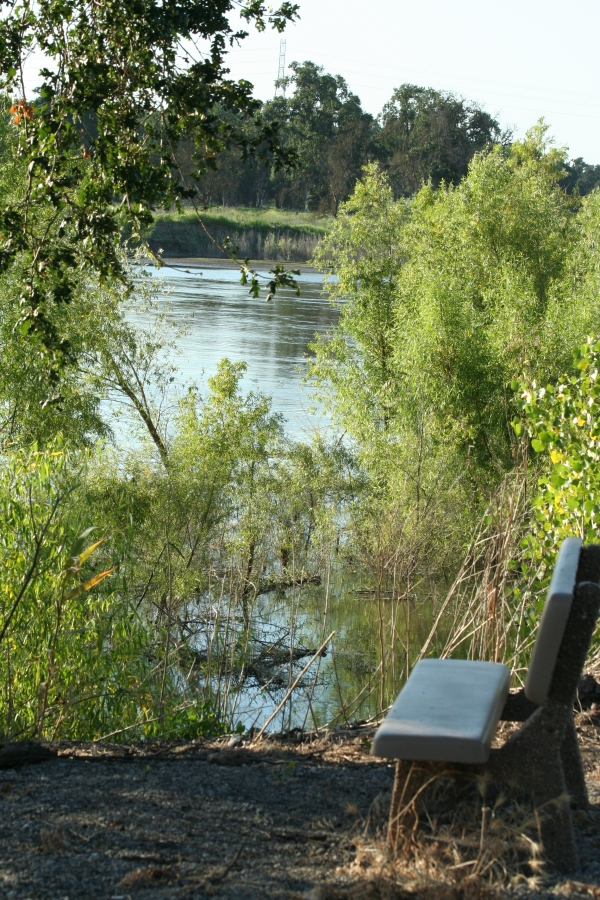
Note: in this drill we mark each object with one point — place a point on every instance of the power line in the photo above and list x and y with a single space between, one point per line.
427 73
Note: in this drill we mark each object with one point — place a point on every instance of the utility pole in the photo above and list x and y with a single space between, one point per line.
281 69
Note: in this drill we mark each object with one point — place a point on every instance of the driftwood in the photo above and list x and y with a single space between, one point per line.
24 752
271 582
278 583
374 594
290 691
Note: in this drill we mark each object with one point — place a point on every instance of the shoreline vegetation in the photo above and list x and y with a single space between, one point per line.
207 262
260 234
425 487
183 588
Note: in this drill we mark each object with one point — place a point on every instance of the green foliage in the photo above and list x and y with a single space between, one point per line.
112 360
324 124
84 654
259 233
488 292
250 218
448 298
125 656
420 135
200 535
151 625
354 367
581 178
444 301
428 135
99 145
563 423
72 661
407 482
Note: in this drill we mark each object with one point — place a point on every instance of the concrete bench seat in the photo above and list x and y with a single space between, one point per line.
447 712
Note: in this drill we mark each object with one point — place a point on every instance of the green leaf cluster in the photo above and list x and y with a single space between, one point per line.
444 300
99 145
563 422
71 660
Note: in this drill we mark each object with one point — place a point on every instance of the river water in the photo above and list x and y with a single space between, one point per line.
220 319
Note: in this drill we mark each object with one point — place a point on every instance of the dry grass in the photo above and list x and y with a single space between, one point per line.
472 830
482 616
473 839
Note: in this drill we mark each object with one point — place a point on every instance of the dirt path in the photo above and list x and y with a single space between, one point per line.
171 819
284 820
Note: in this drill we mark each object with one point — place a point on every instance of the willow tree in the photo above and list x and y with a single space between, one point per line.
445 300
493 289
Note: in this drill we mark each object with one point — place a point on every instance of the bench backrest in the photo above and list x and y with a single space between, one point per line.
554 619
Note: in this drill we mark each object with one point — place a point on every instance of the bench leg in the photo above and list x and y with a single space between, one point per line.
554 815
533 759
573 768
409 780
395 804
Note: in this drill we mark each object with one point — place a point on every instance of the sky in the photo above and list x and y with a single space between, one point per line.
519 59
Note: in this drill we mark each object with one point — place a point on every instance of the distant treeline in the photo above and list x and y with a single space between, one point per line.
421 134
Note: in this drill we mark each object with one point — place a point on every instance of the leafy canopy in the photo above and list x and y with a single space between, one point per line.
126 80
494 286
323 122
428 134
446 299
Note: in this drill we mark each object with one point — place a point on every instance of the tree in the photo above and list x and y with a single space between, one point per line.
580 177
494 287
353 367
428 134
447 298
121 91
323 122
403 479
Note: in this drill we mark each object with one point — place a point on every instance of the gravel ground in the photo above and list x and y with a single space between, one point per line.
286 819
189 820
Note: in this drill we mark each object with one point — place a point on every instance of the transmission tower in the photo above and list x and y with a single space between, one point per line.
281 69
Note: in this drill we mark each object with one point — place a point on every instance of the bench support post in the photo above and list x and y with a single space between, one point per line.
409 780
573 767
532 758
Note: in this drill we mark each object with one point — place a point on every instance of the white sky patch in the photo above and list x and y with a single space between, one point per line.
521 60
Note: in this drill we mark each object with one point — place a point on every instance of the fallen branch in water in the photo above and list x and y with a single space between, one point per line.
293 687
266 585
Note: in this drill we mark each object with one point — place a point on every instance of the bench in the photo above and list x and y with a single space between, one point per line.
449 709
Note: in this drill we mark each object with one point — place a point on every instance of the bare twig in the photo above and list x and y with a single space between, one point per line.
293 686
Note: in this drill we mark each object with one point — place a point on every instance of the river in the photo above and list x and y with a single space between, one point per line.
218 318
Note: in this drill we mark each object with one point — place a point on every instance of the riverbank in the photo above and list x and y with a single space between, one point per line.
293 817
195 263
268 234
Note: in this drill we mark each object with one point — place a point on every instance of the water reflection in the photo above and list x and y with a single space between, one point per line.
361 670
221 319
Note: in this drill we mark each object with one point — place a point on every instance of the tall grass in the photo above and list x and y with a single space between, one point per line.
269 234
252 217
